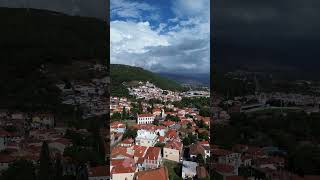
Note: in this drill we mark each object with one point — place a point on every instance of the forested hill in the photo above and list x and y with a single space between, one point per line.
124 73
31 38
46 34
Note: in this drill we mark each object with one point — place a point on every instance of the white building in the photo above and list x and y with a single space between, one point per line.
189 169
145 118
146 138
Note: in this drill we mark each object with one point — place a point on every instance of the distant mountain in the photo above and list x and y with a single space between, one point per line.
124 73
191 79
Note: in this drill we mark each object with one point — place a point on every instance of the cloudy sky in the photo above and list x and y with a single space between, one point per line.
284 33
161 36
89 8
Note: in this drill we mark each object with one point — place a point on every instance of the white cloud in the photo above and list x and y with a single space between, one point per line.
130 9
133 37
182 48
192 8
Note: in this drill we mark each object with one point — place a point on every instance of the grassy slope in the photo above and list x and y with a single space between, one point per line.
124 73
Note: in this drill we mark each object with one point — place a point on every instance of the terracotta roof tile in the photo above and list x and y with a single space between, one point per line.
99 171
155 174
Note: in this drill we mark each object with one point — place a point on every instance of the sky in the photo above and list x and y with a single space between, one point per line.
87 8
161 35
265 33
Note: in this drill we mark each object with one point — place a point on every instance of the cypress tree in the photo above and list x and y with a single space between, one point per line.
44 171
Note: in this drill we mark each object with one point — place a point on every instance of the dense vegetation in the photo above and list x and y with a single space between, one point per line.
124 73
201 103
32 38
231 87
296 133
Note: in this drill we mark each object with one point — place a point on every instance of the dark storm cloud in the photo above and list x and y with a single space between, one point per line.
285 32
89 8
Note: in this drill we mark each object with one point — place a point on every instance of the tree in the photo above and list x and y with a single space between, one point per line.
116 116
44 171
156 122
130 133
21 169
124 114
186 141
58 169
140 108
200 159
189 125
172 118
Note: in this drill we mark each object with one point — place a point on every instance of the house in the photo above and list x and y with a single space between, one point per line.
145 119
154 174
264 163
43 120
189 169
127 142
157 112
196 149
5 161
202 172
153 158
173 151
139 152
60 144
121 153
146 138
246 160
225 170
4 138
171 134
123 169
227 157
99 173
118 127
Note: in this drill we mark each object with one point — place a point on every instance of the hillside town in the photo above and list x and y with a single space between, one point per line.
89 96
27 139
256 151
156 139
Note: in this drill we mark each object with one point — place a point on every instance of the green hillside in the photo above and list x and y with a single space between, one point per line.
124 73
33 38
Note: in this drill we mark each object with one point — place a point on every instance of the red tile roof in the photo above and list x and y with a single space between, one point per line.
221 152
120 151
173 145
223 168
168 123
123 166
145 115
235 178
5 158
4 133
161 138
204 143
155 174
127 141
139 151
172 134
153 153
99 171
196 149
201 172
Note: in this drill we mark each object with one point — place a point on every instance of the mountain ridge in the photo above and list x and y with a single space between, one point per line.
124 73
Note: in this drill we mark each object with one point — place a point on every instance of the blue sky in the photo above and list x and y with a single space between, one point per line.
161 35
